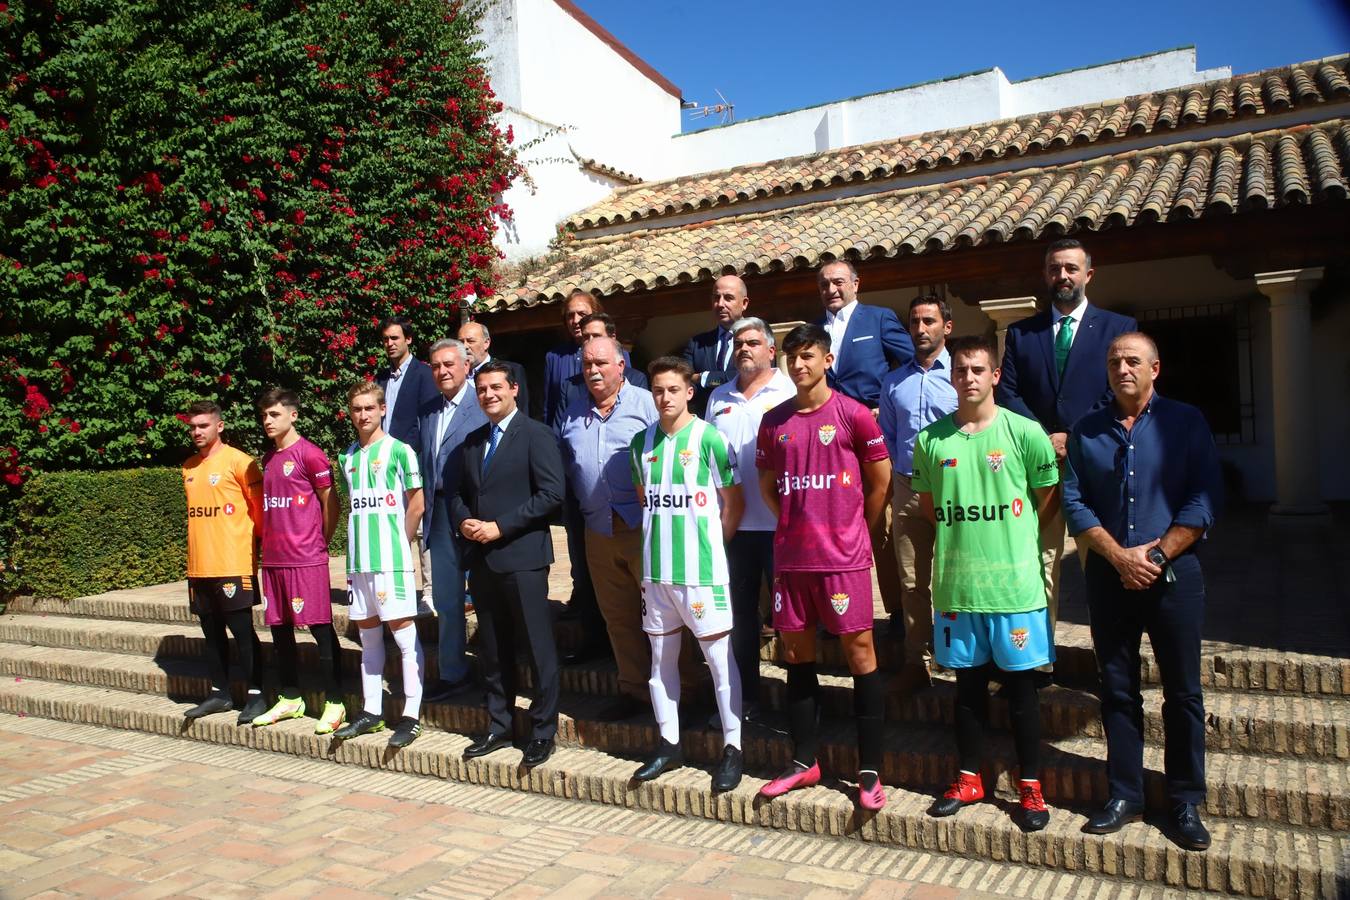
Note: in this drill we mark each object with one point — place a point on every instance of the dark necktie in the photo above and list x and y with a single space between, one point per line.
492 445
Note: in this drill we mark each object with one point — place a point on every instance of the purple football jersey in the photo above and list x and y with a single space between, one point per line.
292 516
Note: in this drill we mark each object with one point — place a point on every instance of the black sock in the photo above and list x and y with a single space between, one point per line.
330 661
972 715
283 645
217 652
247 645
1024 711
869 706
802 691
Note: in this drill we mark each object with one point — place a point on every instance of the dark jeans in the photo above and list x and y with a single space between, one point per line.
509 604
750 562
1173 616
447 593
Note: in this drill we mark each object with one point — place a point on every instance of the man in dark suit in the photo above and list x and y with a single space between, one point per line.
510 484
1054 371
407 383
446 421
867 342
477 341
408 386
709 352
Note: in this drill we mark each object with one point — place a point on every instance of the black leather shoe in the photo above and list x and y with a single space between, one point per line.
728 773
620 708
536 752
216 703
486 744
1188 831
1115 815
446 690
667 757
587 653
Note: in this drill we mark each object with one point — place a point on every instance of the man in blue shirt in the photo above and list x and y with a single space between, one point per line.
913 397
594 435
1141 485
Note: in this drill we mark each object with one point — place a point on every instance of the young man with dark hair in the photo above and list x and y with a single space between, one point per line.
385 490
691 503
299 517
986 478
824 475
224 507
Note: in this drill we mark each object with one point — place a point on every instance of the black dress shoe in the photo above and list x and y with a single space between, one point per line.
1188 831
1115 815
216 703
445 690
728 773
667 756
620 708
486 744
587 653
536 752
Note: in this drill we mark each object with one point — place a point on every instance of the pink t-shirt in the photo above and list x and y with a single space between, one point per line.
818 459
292 532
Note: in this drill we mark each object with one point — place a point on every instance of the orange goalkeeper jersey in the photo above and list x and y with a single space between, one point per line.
224 507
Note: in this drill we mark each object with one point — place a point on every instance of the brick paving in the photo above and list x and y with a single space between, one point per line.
91 812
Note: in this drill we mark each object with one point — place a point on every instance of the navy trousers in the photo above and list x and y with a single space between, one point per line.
1173 616
750 565
447 593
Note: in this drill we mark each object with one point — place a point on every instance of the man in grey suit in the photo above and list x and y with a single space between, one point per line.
445 422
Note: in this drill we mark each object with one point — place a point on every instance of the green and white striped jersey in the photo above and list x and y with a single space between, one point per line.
377 477
678 476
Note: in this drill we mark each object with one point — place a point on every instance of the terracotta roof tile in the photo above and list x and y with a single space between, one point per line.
1298 165
1243 96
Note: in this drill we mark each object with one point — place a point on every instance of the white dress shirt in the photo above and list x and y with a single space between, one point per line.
501 426
448 413
1077 316
836 323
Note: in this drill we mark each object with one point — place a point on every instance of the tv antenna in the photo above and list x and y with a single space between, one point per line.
726 109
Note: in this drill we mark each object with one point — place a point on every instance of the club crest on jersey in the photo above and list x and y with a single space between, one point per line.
839 602
686 457
375 465
697 608
1019 638
995 460
288 467
230 589
297 604
381 596
826 435
214 479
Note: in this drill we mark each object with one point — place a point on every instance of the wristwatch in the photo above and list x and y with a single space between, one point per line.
1157 557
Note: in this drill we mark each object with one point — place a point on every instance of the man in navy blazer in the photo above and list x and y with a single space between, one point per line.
1054 371
510 486
446 421
407 383
709 352
867 342
477 341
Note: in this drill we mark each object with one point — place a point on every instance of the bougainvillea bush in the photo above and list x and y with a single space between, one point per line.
199 199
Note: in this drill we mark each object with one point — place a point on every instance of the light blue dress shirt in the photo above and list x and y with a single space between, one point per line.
912 398
391 390
595 453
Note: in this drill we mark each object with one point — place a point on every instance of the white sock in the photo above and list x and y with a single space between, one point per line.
411 648
726 686
665 684
372 668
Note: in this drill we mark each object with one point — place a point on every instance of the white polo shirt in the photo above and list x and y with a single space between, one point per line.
737 419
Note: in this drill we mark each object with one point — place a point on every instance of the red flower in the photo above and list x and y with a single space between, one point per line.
151 184
298 217
75 427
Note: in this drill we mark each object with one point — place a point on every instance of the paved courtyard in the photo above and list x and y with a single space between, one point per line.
92 812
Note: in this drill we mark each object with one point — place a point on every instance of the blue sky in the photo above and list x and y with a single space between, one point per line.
767 57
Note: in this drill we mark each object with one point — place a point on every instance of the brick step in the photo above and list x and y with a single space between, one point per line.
1292 791
1263 723
1224 666
1249 859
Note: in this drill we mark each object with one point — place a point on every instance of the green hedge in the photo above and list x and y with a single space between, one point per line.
83 533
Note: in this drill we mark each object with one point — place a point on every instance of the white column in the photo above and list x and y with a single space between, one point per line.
780 331
1005 312
1297 492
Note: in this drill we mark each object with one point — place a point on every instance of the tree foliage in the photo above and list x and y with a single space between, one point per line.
202 198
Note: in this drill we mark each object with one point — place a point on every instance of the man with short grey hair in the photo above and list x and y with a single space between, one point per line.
445 422
477 341
735 410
